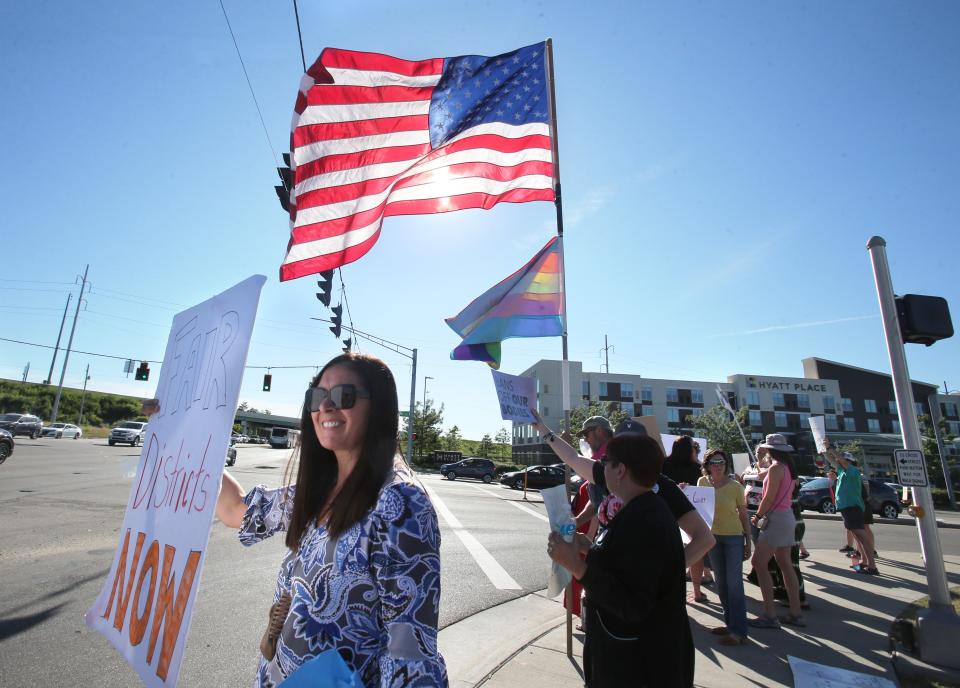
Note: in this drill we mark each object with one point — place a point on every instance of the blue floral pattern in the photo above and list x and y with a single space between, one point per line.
373 594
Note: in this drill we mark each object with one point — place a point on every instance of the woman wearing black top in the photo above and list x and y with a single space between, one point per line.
637 629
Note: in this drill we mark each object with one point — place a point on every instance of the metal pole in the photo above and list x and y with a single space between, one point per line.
934 401
424 416
66 356
57 347
83 396
926 522
26 371
413 407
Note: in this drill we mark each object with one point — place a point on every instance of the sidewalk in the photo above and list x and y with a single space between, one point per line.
523 642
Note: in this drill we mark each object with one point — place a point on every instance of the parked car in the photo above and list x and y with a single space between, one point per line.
6 445
129 432
883 500
815 495
536 476
21 424
482 469
58 430
231 456
237 438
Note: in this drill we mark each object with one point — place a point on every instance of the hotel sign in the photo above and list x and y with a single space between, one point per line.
785 385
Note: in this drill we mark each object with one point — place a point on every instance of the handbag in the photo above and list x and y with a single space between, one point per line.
763 522
275 619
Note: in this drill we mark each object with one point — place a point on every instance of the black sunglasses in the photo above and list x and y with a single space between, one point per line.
340 396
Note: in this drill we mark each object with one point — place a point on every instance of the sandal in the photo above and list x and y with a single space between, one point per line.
764 622
804 555
792 620
702 599
867 570
720 630
275 618
846 548
732 640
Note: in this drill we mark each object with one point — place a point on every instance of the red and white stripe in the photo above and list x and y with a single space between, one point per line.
361 151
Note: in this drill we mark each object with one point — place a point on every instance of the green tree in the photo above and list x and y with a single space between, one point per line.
452 439
931 452
427 426
486 446
504 447
611 410
717 427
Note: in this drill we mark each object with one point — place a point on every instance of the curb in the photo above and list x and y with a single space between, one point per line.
885 521
476 647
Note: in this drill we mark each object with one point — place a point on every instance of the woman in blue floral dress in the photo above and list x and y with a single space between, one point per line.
363 566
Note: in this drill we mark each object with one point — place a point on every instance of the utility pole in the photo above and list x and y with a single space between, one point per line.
25 371
66 356
423 416
938 624
83 397
57 347
934 402
606 351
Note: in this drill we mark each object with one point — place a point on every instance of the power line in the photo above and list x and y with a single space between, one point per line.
250 86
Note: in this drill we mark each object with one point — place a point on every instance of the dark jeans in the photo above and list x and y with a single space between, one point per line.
726 558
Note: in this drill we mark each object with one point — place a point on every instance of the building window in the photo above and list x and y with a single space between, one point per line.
673 415
626 391
753 398
805 420
646 394
950 410
778 399
585 389
756 435
895 426
954 427
918 407
873 425
697 411
831 422
672 395
780 419
755 418
892 408
803 401
603 390
869 405
546 388
829 404
546 412
847 405
696 395
849 424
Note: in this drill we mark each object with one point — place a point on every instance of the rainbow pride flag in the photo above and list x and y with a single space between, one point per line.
528 303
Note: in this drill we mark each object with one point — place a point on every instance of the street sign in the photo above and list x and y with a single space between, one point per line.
404 414
911 468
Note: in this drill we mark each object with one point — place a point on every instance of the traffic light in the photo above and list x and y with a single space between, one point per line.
337 314
267 379
286 180
326 286
923 319
143 371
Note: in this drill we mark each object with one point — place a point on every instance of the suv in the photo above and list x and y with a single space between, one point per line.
129 432
469 468
21 424
6 445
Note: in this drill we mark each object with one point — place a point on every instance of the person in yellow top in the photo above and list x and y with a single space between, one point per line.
731 528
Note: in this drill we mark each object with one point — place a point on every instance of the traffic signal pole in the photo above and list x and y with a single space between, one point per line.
938 626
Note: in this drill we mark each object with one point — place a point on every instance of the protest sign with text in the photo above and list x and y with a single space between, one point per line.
145 604
516 395
818 428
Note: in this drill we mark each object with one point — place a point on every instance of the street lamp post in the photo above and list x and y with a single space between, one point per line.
423 415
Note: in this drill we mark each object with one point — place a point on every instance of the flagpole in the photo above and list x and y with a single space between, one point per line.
565 364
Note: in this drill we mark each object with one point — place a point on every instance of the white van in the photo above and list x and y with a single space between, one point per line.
284 438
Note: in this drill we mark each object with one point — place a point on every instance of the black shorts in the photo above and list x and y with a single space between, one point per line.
852 518
867 515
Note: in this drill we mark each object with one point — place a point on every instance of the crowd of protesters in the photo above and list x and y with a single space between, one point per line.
632 602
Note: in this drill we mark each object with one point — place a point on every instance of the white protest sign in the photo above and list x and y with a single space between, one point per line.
146 602
813 675
819 431
741 462
911 468
703 499
516 394
668 440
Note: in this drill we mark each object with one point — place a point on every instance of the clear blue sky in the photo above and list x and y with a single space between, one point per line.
723 167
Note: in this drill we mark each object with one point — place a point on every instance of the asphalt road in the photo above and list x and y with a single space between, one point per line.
63 503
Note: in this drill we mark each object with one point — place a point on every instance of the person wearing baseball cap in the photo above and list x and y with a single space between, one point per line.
851 506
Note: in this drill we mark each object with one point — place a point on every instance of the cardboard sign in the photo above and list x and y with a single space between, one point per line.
911 468
516 395
741 462
145 605
818 428
668 440
653 430
703 499
813 675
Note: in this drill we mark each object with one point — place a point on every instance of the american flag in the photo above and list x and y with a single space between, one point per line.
375 135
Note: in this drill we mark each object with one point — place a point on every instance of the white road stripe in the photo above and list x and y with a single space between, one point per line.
490 567
510 502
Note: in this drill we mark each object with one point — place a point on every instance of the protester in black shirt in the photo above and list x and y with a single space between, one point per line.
682 466
637 631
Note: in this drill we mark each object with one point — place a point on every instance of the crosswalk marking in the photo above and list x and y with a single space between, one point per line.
509 501
490 567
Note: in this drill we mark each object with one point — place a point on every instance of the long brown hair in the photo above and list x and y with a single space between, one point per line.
317 470
786 458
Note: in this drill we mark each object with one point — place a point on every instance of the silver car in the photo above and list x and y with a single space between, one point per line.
58 430
129 432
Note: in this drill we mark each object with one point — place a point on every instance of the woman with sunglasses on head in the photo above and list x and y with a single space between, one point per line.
731 528
362 572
